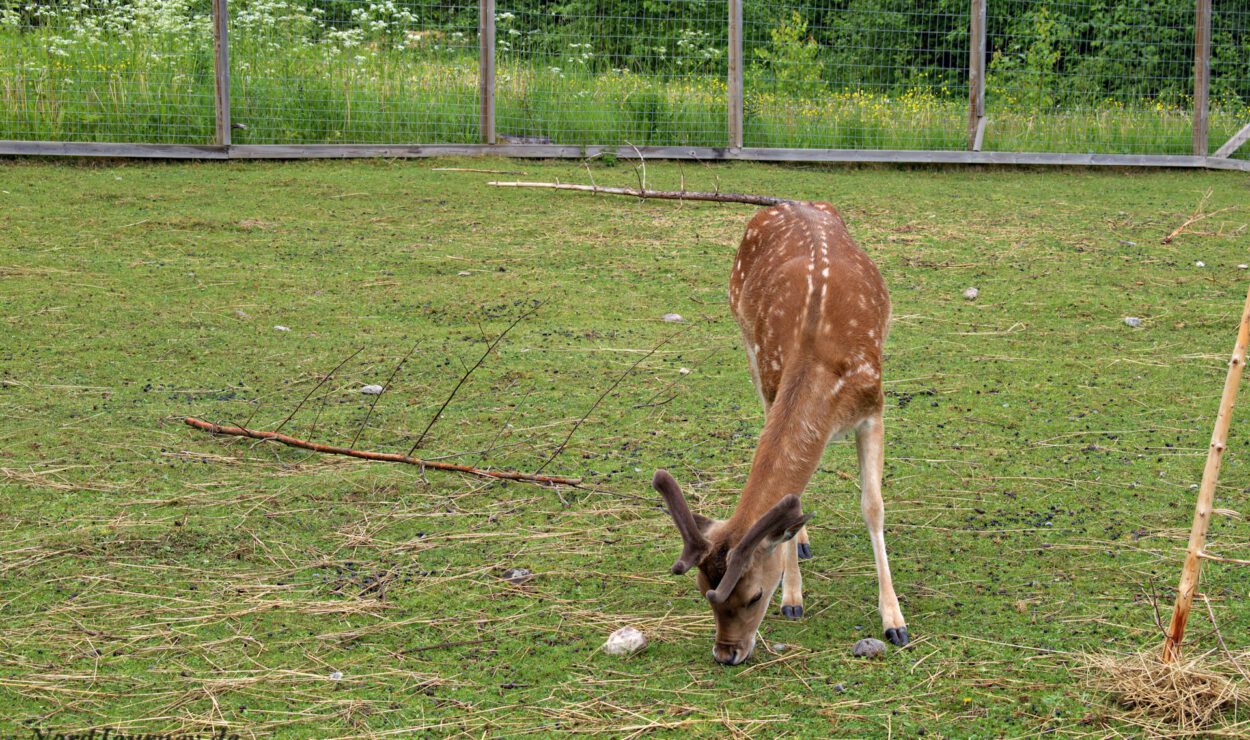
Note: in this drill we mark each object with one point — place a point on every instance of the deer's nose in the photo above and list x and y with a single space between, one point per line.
727 654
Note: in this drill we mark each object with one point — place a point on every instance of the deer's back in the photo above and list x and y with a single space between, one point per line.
803 291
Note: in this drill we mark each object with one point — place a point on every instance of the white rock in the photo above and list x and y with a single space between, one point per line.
625 641
464 273
971 293
672 317
1243 267
1132 321
280 327
518 576
684 371
372 390
1200 263
242 314
869 647
336 676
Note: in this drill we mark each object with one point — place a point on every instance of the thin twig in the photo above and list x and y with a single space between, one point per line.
469 372
717 197
476 169
642 178
498 434
604 395
314 390
651 401
385 388
381 456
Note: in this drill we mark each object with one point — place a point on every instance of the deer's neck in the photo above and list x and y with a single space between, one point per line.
796 431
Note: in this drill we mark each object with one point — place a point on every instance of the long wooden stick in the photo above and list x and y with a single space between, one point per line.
1206 493
756 200
212 428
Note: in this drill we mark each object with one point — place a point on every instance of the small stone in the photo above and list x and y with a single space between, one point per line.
839 687
869 647
780 647
517 576
625 641
1200 263
1132 321
280 327
372 390
464 273
971 293
336 676
672 318
242 314
1243 267
684 371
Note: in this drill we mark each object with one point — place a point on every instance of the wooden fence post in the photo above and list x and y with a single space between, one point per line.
976 76
221 72
735 74
1206 493
486 68
1202 74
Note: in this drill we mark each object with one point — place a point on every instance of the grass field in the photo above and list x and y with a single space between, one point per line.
1041 454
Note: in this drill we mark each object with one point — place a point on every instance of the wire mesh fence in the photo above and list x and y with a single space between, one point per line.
603 72
839 75
106 70
1075 77
337 72
1110 77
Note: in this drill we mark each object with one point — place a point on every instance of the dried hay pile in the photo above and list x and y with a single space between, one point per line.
1199 695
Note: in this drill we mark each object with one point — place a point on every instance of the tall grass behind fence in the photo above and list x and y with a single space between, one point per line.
352 72
1230 72
838 75
106 70
601 72
1068 76
1117 77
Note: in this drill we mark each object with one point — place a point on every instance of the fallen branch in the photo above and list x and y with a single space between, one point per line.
381 456
756 200
1195 217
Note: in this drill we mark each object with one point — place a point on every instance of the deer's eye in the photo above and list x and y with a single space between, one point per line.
755 598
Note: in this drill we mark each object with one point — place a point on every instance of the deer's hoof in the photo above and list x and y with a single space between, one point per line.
898 636
805 551
792 612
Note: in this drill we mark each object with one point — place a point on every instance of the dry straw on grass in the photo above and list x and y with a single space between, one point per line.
1185 697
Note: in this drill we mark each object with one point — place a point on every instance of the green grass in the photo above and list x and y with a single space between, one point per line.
1040 453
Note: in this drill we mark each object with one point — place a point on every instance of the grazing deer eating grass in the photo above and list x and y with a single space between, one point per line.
814 314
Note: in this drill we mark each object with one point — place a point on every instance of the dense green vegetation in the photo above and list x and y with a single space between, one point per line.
1040 453
1084 77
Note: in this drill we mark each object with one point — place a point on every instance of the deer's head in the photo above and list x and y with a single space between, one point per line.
738 570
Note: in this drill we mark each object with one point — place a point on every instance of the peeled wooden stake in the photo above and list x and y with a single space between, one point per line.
1206 494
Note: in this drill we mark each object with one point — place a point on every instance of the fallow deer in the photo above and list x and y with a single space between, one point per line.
814 314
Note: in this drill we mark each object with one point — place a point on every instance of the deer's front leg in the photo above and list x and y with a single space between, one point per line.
804 544
791 583
870 443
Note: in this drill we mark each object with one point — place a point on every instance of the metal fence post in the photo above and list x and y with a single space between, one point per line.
735 74
1202 74
221 72
486 68
976 76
